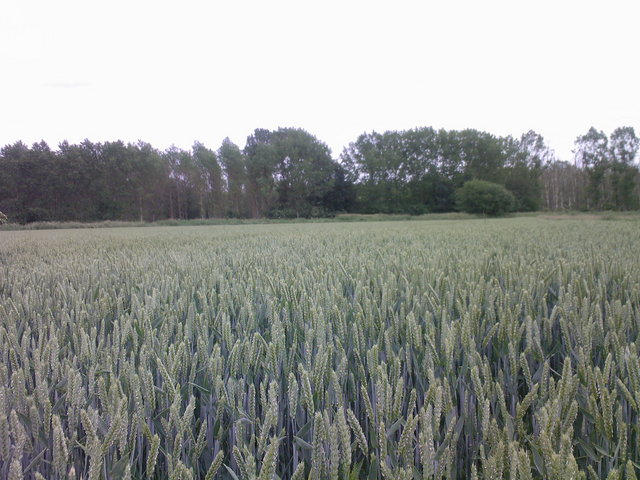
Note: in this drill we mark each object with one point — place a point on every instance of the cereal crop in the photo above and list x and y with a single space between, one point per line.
480 349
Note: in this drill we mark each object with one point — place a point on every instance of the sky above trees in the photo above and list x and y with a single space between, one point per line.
175 72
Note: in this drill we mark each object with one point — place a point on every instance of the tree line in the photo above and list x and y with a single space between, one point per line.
290 173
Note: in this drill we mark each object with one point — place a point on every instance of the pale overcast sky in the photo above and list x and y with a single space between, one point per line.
175 72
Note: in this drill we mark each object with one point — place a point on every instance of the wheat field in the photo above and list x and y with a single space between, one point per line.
488 349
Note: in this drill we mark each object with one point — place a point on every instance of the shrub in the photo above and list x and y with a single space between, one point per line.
479 196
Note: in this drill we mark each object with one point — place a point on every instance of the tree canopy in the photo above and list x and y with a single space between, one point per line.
289 172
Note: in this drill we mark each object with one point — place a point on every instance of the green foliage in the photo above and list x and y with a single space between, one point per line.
234 166
486 198
523 169
417 171
287 169
411 171
609 165
290 173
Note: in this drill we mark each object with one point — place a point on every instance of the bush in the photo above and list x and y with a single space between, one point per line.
478 196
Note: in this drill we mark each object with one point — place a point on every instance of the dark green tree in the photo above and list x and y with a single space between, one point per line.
304 172
184 186
487 198
14 172
289 173
28 182
233 164
482 155
418 170
394 171
261 159
211 195
592 154
81 166
524 159
342 195
623 145
149 178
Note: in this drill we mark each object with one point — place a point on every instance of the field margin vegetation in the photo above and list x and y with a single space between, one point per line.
340 218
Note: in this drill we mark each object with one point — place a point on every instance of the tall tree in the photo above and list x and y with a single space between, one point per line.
233 164
181 201
482 155
149 178
13 175
80 165
304 172
523 167
592 154
261 162
289 172
418 170
373 161
623 145
211 200
342 195
118 160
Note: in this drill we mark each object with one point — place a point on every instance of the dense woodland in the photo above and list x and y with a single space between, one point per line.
290 173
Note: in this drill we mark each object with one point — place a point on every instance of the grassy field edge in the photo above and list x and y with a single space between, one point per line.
346 217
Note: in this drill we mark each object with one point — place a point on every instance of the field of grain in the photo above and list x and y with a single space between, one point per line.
394 350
